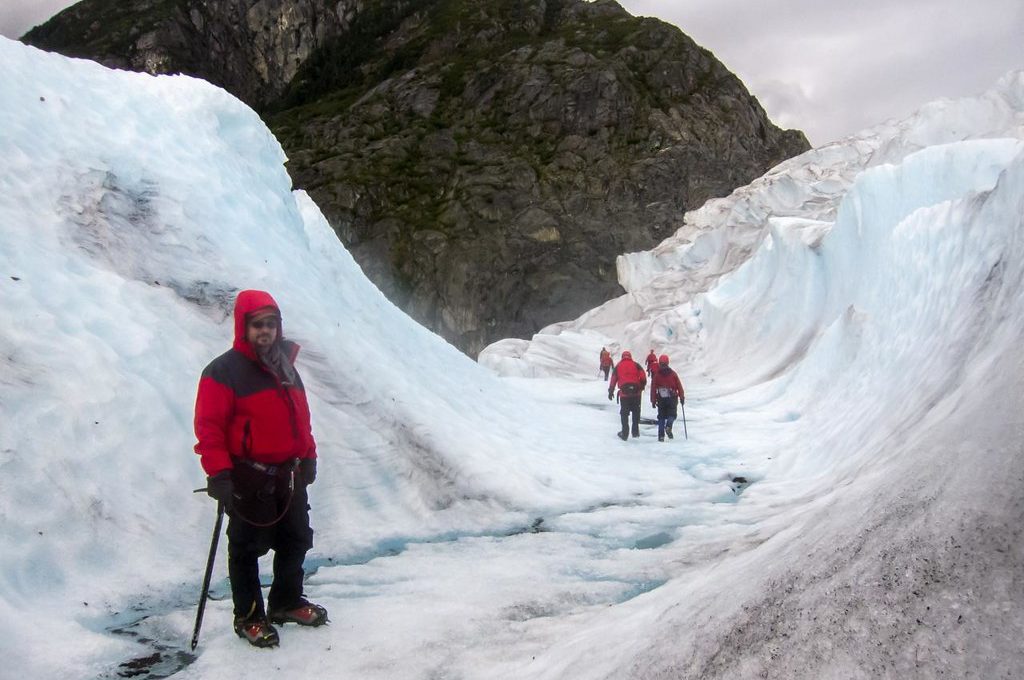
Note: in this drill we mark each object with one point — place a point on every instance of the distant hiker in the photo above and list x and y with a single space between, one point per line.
629 377
256 445
606 362
652 363
666 391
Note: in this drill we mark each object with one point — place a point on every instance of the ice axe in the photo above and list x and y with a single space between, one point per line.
682 406
209 572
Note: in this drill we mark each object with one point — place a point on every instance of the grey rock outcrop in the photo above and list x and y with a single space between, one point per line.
252 48
484 161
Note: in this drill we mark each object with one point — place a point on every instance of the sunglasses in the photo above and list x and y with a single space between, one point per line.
263 323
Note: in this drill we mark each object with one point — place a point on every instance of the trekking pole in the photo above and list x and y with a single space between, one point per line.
209 572
682 405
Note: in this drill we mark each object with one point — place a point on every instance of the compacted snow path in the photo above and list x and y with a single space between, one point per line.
444 602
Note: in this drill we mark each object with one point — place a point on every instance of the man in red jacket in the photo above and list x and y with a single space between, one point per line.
666 390
652 363
256 446
605 361
629 376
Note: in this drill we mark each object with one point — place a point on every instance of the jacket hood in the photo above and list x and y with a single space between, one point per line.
247 302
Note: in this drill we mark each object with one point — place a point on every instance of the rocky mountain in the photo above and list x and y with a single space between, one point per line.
485 161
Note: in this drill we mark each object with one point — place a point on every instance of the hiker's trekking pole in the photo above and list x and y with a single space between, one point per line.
209 572
682 405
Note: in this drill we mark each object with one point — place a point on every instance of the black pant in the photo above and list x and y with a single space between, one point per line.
629 405
666 414
264 498
606 369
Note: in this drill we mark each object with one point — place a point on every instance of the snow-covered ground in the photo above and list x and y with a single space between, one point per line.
848 502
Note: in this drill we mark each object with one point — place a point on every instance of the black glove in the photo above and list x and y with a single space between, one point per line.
307 469
682 400
221 488
609 395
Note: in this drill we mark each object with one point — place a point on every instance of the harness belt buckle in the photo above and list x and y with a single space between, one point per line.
262 467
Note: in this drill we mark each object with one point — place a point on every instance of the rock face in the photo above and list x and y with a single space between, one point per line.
251 48
484 161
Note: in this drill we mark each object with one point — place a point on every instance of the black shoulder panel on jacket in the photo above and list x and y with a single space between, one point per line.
240 374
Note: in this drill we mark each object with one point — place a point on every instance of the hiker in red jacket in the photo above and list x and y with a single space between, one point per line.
652 363
629 377
606 362
666 391
256 446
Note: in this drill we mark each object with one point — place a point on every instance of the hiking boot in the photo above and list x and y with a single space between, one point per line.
622 435
257 631
636 433
661 437
305 614
668 431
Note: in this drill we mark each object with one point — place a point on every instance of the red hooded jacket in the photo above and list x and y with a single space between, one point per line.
665 377
243 409
651 361
628 372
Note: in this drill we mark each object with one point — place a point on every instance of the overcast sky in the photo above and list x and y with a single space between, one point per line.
827 67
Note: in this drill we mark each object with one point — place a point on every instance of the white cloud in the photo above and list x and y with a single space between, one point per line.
833 69
19 16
